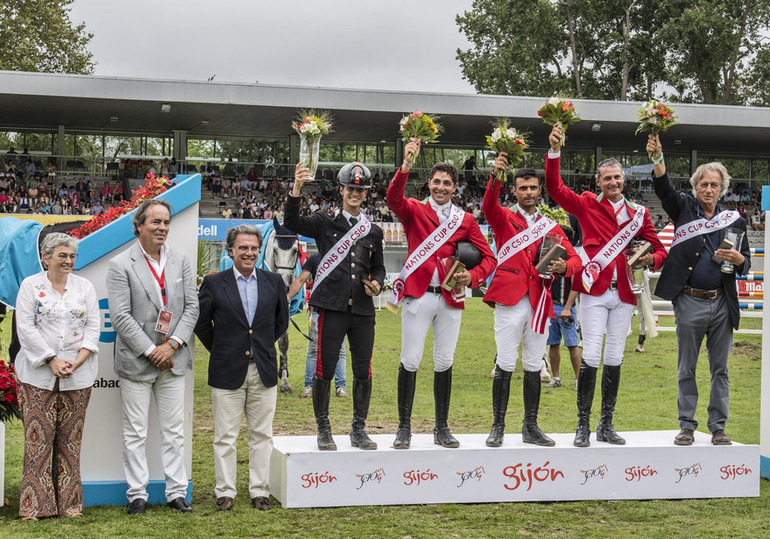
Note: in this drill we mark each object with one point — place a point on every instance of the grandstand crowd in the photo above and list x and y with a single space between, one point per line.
27 188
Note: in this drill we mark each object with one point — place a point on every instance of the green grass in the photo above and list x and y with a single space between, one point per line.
647 401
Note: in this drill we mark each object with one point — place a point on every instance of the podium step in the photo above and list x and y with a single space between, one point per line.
649 466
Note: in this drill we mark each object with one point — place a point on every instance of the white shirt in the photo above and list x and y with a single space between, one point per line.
50 324
159 266
443 211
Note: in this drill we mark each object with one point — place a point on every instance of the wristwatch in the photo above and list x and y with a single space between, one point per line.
49 359
174 344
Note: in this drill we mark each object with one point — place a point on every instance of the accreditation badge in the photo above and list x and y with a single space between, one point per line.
163 322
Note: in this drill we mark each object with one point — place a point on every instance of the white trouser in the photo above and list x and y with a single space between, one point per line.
228 406
168 392
513 326
600 315
417 316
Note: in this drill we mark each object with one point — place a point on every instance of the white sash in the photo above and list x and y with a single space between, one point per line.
612 249
525 238
425 250
704 226
340 250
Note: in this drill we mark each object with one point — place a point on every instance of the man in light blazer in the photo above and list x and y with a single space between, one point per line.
243 311
153 308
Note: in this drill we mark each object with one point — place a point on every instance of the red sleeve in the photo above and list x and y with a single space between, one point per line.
493 212
648 233
395 196
488 263
560 193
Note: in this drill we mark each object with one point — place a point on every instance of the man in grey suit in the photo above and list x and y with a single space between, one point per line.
153 308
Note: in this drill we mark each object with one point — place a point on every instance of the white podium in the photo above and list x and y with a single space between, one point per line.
649 466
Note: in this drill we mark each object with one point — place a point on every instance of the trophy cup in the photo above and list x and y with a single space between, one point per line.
732 240
551 249
635 271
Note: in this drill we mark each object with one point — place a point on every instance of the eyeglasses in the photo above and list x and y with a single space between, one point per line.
65 256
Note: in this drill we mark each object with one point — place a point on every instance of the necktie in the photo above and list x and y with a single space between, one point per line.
353 221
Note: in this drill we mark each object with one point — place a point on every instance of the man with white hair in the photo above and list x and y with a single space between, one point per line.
699 279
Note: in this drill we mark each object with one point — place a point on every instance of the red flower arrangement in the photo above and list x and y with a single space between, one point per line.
153 186
9 401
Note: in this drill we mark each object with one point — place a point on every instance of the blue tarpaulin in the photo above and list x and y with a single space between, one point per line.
18 255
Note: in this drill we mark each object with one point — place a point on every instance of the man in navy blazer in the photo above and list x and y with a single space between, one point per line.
243 311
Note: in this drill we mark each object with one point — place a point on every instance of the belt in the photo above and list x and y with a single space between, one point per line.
613 285
435 290
703 294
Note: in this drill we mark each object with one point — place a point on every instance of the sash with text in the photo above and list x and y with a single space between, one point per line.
612 249
704 226
424 251
340 250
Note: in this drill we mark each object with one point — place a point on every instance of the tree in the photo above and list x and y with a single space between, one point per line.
37 35
711 44
710 51
507 56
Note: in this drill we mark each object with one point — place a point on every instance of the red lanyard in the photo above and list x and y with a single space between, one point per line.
161 280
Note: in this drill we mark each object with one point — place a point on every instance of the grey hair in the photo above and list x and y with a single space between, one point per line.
232 234
141 212
54 240
717 167
610 162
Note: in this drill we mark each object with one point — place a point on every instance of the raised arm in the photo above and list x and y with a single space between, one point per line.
560 193
490 205
394 197
664 189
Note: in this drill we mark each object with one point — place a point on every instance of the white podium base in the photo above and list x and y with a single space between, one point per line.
649 466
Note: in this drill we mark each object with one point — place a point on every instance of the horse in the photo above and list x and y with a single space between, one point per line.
281 253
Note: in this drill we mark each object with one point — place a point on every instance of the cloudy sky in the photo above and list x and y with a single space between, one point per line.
390 45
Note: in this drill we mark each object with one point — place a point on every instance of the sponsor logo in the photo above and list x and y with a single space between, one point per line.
688 471
637 473
371 477
103 383
315 479
207 231
476 473
107 333
593 473
416 477
732 471
519 474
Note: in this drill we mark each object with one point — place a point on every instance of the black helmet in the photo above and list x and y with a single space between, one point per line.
355 175
468 254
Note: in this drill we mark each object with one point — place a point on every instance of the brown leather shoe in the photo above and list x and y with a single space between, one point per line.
261 502
685 437
224 503
718 437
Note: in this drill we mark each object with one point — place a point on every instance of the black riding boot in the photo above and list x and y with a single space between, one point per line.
501 389
362 394
406 384
321 393
585 398
530 432
442 390
605 431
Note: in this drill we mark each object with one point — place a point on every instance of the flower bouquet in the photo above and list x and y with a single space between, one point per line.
556 214
153 186
9 402
655 116
421 126
557 111
507 139
310 125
